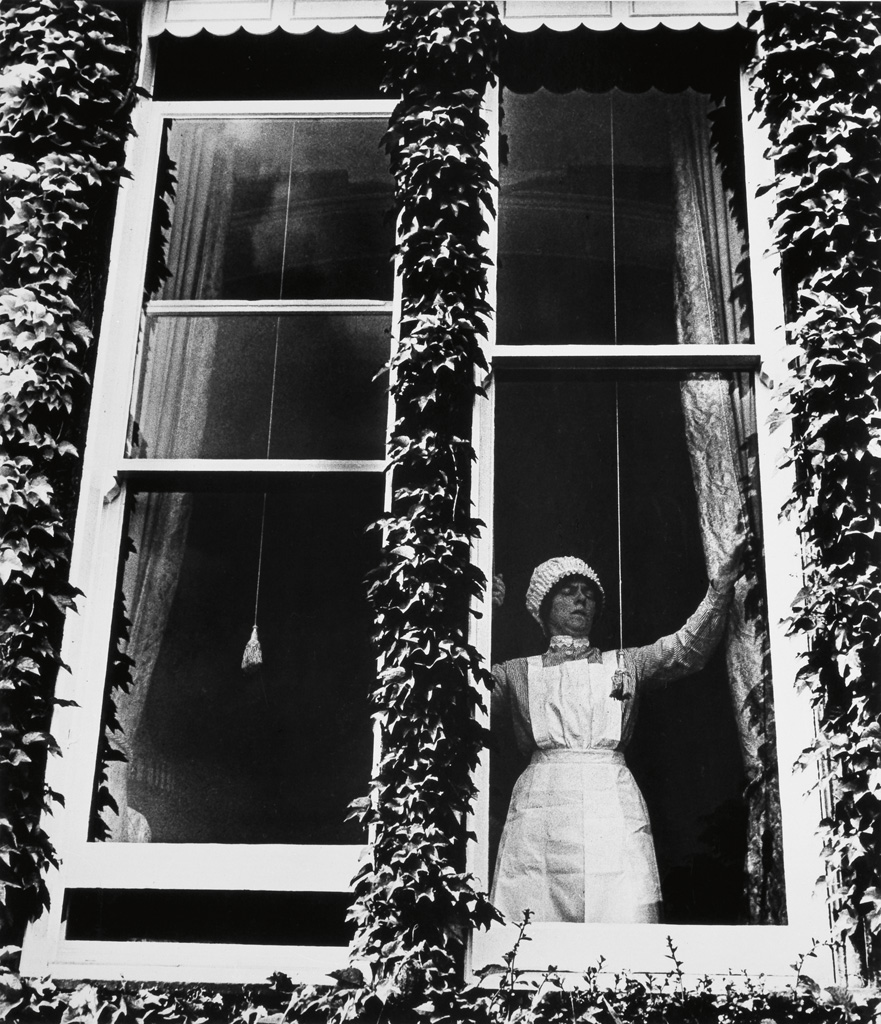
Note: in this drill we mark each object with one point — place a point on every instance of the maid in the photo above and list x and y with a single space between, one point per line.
577 844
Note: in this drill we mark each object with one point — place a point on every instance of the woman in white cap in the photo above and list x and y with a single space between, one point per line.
577 844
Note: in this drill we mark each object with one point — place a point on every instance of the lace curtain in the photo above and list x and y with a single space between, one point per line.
178 354
721 436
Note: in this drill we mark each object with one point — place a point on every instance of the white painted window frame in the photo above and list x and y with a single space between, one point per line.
107 474
713 951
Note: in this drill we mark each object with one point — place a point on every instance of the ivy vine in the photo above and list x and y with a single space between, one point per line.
819 90
414 901
64 102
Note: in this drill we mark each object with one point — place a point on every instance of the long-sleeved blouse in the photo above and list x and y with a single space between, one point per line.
671 657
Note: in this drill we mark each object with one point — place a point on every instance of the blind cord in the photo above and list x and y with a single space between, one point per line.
617 405
284 252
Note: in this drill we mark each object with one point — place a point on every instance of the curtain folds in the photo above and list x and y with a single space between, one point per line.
178 354
721 435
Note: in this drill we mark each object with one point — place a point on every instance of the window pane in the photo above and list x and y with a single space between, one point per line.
253 387
584 760
216 755
272 209
555 229
614 225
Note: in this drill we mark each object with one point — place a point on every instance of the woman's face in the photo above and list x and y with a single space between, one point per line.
573 608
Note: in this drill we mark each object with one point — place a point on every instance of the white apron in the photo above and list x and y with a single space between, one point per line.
577 845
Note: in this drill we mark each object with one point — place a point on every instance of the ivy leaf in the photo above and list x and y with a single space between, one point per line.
9 563
490 969
348 977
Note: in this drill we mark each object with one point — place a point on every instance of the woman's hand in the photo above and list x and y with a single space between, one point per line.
498 591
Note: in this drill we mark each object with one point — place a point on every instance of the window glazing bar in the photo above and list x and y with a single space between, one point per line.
203 307
182 473
191 866
229 109
680 357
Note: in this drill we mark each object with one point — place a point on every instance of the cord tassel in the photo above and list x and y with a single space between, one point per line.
252 659
622 682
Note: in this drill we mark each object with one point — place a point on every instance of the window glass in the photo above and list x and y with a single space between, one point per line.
295 386
279 209
611 211
652 469
216 755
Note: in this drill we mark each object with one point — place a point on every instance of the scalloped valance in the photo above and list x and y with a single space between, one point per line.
223 17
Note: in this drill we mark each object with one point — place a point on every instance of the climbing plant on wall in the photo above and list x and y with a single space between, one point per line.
64 104
414 900
819 91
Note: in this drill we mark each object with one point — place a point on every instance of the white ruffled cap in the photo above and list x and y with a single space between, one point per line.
547 575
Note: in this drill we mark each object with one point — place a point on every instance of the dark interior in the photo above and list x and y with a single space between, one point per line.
276 66
250 917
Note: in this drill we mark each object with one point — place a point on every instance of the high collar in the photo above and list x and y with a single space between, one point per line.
570 644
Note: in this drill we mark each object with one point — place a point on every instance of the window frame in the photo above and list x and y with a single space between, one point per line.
718 950
107 476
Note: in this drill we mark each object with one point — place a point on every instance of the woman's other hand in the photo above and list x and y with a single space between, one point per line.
498 591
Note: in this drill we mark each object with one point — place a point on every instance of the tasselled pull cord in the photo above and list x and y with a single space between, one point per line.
252 659
622 683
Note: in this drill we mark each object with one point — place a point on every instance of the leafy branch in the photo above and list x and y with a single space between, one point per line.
64 101
414 901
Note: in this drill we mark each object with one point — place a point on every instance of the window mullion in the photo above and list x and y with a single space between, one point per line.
482 433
